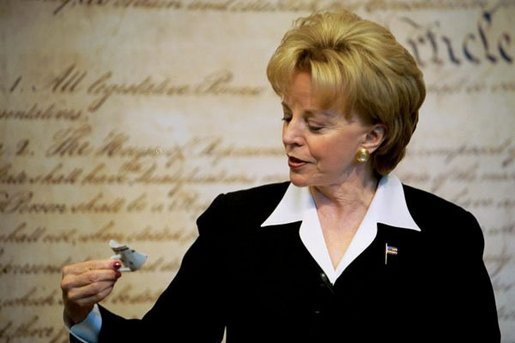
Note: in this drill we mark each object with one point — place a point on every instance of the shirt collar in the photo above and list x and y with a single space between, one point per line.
387 207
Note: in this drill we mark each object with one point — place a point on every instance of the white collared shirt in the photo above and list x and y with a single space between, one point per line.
387 207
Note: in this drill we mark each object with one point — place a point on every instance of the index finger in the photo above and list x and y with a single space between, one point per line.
86 266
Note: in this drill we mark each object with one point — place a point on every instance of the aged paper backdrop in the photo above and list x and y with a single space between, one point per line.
124 118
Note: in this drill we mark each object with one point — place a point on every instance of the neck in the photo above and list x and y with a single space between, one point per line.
353 194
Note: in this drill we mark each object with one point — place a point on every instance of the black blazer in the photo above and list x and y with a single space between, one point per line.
264 286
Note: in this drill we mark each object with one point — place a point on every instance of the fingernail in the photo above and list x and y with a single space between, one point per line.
117 274
117 265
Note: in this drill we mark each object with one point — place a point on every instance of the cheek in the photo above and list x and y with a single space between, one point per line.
336 152
319 149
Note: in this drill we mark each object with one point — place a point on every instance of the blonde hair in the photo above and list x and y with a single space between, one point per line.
360 67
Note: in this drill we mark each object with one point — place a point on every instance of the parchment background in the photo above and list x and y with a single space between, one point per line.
124 118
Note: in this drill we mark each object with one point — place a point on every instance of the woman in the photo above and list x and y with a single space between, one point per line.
343 251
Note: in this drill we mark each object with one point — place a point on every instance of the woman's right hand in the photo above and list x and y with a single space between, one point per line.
86 283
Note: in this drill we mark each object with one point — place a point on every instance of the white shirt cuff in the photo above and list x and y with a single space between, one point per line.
88 330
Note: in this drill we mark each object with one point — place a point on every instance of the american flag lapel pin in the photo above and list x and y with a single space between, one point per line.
389 250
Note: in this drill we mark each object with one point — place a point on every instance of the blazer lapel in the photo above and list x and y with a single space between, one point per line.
393 253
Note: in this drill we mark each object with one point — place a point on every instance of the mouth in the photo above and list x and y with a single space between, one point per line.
295 163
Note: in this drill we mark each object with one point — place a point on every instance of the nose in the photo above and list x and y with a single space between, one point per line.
292 133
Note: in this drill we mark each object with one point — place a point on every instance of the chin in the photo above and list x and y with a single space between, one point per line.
298 181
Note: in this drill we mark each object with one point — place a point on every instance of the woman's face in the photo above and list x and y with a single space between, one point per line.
320 144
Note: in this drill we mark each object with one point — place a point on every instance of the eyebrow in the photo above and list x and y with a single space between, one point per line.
311 112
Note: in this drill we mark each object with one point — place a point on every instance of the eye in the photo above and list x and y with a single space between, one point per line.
286 117
315 127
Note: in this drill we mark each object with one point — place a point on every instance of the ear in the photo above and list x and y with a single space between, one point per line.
374 137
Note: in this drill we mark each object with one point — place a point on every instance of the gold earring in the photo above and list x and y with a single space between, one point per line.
362 155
